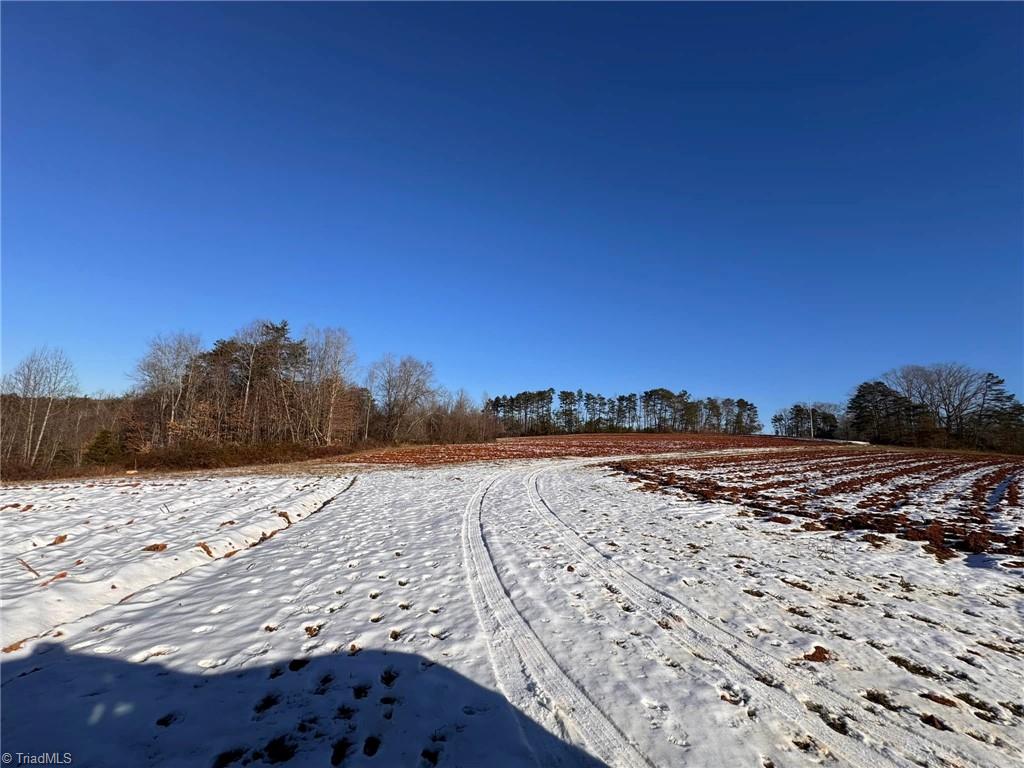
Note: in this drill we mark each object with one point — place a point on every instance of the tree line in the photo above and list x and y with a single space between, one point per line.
265 393
824 421
261 393
946 405
655 410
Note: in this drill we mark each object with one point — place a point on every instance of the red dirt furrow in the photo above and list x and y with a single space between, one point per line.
581 446
889 481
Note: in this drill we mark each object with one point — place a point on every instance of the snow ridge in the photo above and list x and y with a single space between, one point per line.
81 592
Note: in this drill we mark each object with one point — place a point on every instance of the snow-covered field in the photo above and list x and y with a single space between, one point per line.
549 612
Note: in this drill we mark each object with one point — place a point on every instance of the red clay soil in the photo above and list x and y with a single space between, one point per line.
960 519
563 446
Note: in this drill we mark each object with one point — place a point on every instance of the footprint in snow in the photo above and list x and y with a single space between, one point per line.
268 701
256 650
166 720
371 745
361 691
323 684
156 650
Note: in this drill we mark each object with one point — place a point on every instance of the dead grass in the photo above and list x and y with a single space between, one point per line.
819 655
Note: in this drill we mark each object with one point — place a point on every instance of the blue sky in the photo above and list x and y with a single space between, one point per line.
769 201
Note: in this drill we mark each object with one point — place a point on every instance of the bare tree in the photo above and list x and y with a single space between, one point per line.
401 387
167 371
326 375
957 389
948 391
914 382
370 383
41 379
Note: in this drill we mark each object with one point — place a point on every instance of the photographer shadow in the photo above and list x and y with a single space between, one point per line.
374 708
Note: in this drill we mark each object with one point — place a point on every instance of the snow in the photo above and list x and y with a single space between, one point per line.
88 542
505 613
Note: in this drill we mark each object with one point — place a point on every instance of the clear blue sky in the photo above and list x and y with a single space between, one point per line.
770 201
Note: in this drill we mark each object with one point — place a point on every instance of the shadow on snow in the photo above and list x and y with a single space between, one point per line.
375 708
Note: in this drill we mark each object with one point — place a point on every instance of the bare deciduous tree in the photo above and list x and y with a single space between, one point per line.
400 388
948 391
326 377
42 379
167 370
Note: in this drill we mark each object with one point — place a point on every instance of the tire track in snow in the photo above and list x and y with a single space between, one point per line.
694 633
844 581
528 675
962 483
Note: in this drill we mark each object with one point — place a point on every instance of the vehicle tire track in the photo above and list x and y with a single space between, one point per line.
528 675
964 480
867 655
778 684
